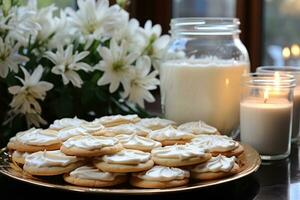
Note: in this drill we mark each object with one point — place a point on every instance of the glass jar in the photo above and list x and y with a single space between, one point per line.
266 113
295 71
201 76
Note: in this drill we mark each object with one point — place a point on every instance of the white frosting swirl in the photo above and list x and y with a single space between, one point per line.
115 119
127 157
133 141
91 127
38 137
197 128
127 129
219 163
161 173
181 152
66 122
169 133
153 123
49 159
69 132
215 143
92 173
90 142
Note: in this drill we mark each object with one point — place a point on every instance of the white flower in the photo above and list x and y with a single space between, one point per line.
116 65
142 82
9 57
130 32
96 20
154 45
64 33
25 97
67 63
22 26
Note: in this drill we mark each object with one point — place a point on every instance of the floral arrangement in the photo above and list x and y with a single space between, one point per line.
88 62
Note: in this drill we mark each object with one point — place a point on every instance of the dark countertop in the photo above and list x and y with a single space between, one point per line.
273 180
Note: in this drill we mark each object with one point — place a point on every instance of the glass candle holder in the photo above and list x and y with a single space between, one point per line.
266 110
295 71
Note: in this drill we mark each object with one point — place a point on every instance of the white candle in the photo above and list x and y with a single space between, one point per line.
203 90
296 113
266 125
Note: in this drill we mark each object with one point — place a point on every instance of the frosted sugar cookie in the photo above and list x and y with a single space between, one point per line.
34 140
127 160
219 144
66 133
156 123
198 128
90 176
92 127
215 168
126 129
90 146
115 120
50 163
179 155
66 122
19 157
138 142
160 177
170 136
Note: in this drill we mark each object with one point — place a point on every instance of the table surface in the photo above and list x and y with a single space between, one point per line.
274 180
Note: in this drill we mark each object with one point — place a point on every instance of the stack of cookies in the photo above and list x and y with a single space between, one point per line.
111 150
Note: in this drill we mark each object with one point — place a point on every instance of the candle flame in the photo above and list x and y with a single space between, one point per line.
286 53
227 81
266 95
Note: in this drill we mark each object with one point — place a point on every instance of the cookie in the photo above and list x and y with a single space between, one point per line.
65 122
155 123
160 177
126 129
90 176
114 120
50 163
92 127
19 157
219 144
198 128
179 155
127 160
66 133
34 140
138 142
90 146
215 168
170 136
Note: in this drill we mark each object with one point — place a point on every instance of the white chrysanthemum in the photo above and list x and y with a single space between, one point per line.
25 97
116 65
43 17
96 20
64 32
22 26
9 57
67 63
154 44
131 34
142 82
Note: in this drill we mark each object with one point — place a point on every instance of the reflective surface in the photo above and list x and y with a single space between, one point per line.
280 180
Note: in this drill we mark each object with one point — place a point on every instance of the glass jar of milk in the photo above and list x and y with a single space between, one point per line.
201 75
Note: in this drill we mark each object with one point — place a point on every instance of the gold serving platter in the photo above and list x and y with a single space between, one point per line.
249 162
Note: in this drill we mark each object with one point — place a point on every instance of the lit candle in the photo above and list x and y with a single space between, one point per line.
266 121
